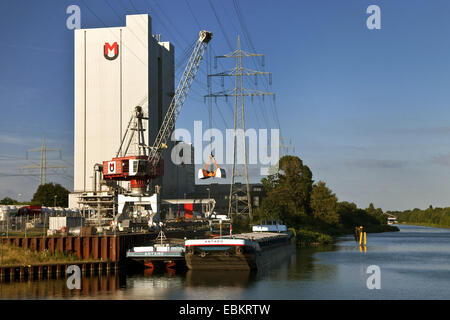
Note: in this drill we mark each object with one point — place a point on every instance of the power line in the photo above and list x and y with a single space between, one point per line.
252 47
186 51
192 13
220 25
211 48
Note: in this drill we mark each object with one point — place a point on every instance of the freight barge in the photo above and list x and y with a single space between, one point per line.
245 251
162 253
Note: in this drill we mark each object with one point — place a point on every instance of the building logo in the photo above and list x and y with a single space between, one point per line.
111 167
107 49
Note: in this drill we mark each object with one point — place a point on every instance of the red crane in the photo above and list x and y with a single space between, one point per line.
148 164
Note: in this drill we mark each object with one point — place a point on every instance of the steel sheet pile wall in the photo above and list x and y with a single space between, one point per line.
108 248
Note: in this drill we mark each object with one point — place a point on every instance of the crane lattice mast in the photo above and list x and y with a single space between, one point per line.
181 93
139 168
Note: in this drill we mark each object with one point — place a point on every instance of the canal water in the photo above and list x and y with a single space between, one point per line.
413 264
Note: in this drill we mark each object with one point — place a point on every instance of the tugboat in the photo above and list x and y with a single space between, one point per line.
246 251
161 253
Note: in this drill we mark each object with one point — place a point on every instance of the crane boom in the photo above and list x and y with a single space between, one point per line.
139 168
178 99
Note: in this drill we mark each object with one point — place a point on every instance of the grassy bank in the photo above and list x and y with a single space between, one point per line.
311 238
16 256
425 224
307 238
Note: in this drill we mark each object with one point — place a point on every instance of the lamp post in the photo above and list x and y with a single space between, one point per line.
54 202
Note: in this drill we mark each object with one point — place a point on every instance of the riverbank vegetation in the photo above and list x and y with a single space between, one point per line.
311 208
435 217
17 256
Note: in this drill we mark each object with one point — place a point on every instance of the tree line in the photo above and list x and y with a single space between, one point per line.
49 195
310 207
439 217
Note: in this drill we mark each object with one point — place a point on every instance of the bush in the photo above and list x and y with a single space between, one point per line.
310 238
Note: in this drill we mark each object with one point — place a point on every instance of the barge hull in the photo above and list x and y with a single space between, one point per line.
236 260
220 262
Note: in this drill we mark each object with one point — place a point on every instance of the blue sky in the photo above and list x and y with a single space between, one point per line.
367 110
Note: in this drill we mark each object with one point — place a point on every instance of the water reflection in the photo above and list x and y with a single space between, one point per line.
57 288
415 264
219 278
306 263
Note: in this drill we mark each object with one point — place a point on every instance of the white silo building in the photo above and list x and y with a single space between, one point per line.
117 69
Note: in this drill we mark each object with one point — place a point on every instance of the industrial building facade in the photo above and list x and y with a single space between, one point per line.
117 69
221 193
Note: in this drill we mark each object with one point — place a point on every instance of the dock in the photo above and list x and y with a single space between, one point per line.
97 254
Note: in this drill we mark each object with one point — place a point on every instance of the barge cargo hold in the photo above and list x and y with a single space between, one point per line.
246 251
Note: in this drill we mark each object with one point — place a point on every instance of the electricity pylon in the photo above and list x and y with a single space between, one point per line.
43 166
239 195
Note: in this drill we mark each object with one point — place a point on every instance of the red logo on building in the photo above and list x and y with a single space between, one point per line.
107 48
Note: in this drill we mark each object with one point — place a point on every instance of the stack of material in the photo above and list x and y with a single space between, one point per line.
7 211
57 223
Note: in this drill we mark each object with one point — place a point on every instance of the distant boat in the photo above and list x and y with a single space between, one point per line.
392 220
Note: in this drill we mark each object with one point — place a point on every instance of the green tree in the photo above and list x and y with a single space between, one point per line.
377 213
324 204
8 201
288 192
45 195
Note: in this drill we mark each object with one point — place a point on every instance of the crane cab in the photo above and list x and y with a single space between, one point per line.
128 168
138 167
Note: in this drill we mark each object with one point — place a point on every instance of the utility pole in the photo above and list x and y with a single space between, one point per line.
43 166
239 195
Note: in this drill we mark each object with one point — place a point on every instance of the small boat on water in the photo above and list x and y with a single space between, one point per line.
161 253
245 251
